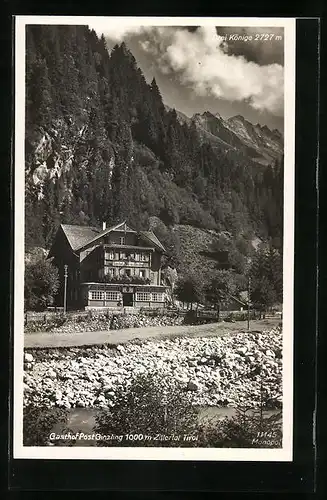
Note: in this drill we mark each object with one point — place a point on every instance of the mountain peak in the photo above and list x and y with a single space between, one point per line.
238 117
208 114
277 132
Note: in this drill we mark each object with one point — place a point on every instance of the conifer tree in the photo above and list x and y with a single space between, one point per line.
87 107
266 278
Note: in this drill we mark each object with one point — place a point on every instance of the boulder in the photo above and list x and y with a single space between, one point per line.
192 386
28 357
51 374
80 403
184 362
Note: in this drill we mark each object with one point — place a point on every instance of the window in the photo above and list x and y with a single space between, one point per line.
122 255
142 273
97 295
110 255
157 297
143 296
112 296
122 240
143 256
127 272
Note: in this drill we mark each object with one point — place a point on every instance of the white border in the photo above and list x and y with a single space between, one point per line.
285 454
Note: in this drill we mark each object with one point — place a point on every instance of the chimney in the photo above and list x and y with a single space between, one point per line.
104 225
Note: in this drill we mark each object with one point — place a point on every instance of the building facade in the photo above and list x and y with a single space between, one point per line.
115 268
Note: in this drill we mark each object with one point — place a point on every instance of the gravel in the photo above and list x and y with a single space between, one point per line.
242 368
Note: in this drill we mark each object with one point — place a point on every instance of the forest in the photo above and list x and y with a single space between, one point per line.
101 145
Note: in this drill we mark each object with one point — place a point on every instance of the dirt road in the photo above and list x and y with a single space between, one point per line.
115 337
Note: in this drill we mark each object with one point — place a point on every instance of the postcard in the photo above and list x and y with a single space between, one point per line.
154 238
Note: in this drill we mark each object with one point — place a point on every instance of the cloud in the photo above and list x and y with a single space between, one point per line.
202 61
118 32
260 51
230 70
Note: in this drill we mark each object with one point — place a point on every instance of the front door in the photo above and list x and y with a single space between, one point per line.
127 299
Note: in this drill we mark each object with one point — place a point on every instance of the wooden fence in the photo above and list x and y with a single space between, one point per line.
199 315
47 316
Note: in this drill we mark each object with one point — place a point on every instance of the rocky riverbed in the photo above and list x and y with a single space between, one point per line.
241 368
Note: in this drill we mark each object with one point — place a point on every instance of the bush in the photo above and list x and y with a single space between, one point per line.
38 423
247 429
41 284
46 325
240 316
149 406
236 316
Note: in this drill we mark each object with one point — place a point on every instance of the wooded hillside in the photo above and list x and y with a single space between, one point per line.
101 146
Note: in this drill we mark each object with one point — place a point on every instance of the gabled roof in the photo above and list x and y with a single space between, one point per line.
121 226
81 236
241 302
149 235
78 236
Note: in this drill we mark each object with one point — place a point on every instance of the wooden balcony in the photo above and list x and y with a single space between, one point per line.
133 280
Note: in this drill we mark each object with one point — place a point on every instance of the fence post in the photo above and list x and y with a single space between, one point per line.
249 293
65 287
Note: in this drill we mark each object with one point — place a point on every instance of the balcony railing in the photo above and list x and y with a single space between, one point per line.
126 263
124 279
127 258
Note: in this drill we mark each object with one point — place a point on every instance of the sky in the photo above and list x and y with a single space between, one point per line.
228 70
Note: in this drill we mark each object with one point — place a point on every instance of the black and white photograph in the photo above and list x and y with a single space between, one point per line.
154 207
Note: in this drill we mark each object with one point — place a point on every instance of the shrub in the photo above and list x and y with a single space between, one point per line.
248 428
38 423
230 317
41 284
149 406
189 289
